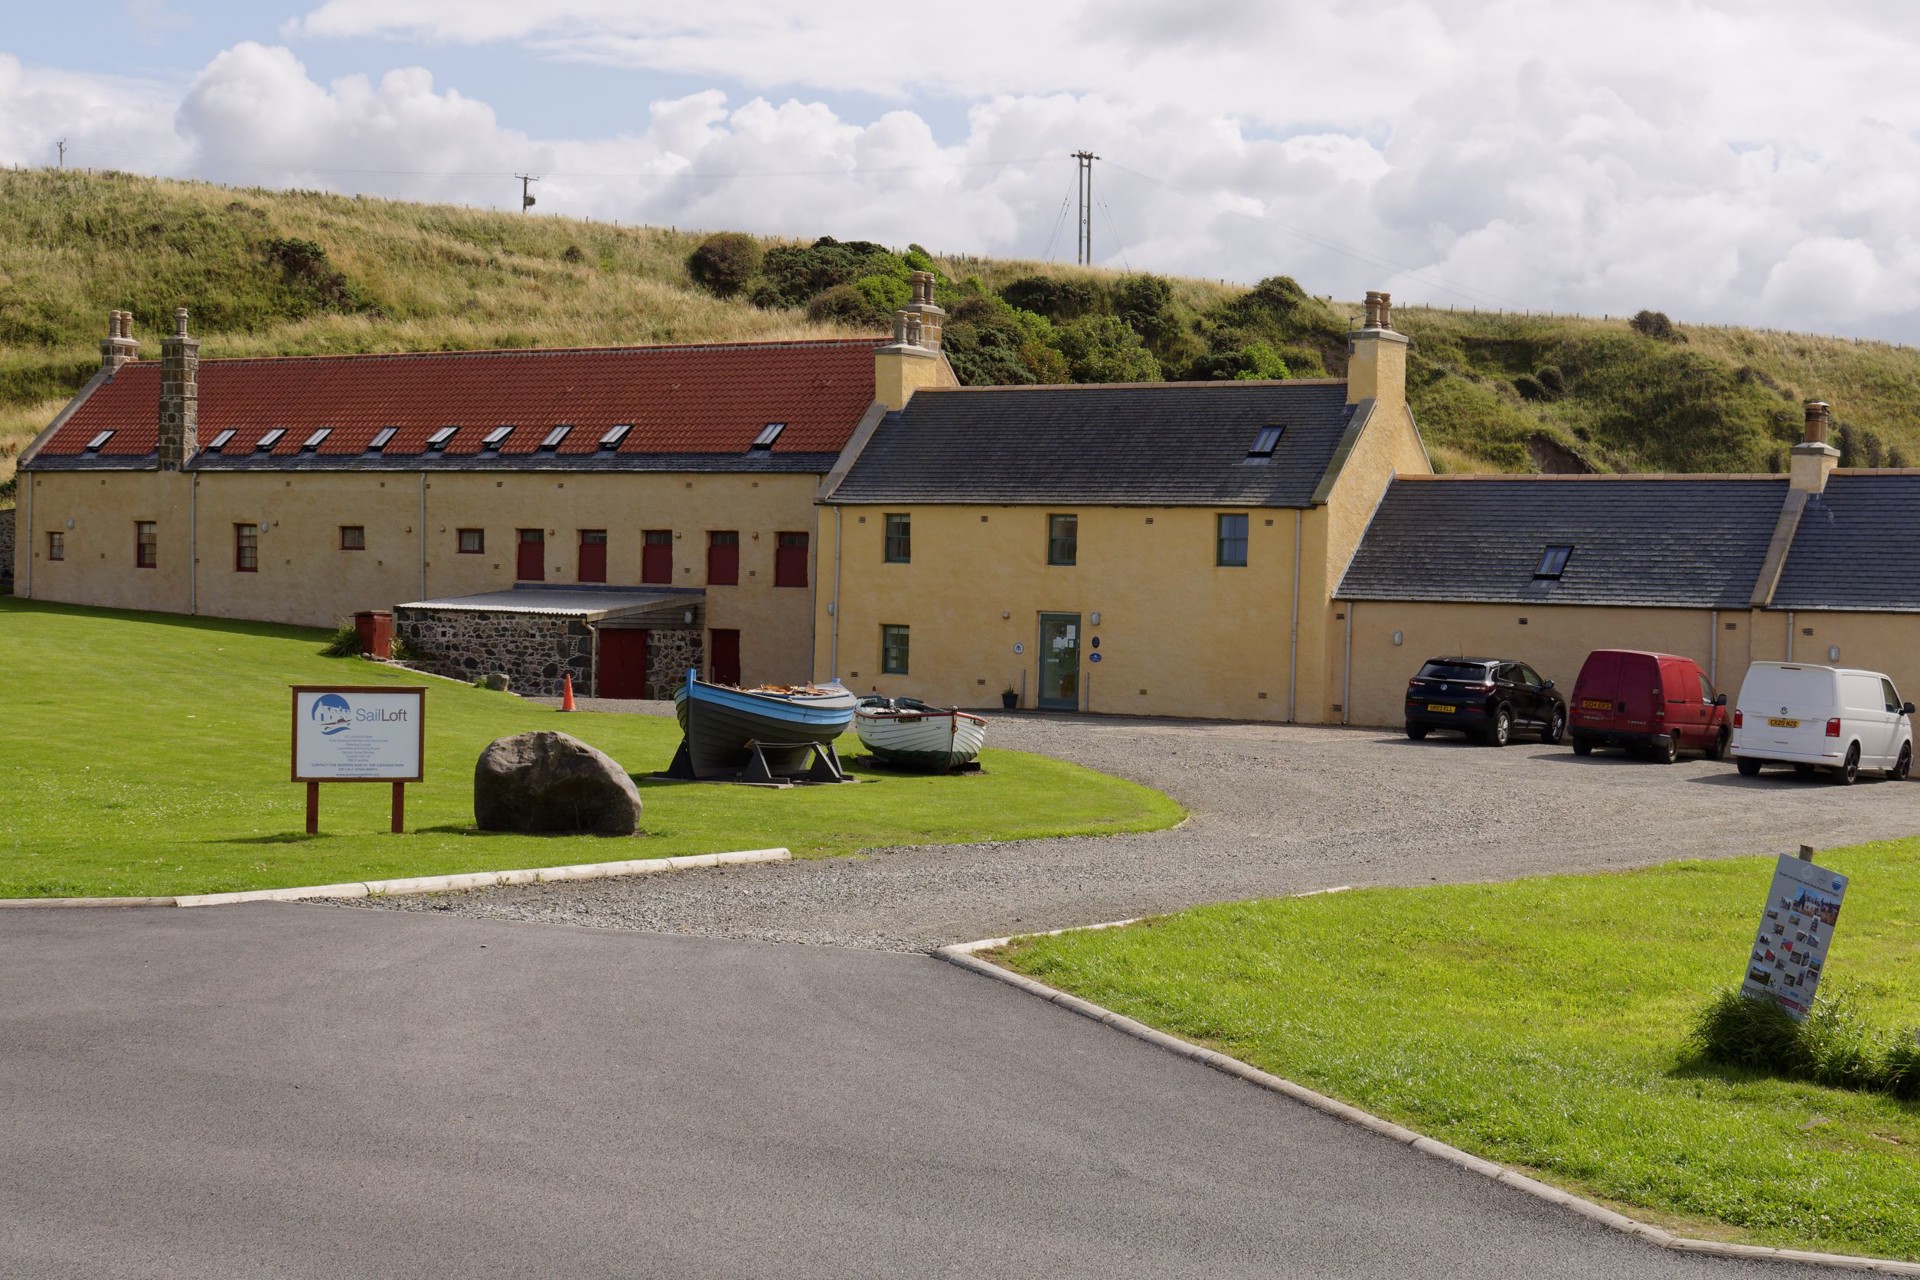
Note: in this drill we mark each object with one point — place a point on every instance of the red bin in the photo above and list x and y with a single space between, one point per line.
376 633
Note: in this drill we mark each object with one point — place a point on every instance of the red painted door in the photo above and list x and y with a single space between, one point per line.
593 555
1640 695
723 558
656 557
723 656
790 560
623 664
532 563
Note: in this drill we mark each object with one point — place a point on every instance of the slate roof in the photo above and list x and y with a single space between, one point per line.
1684 541
685 402
1147 444
1852 549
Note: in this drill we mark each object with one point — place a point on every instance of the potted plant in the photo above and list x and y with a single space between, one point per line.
1009 698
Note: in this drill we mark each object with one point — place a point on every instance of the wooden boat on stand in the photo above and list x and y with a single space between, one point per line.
771 735
906 733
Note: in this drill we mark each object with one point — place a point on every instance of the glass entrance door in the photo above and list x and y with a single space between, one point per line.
1060 661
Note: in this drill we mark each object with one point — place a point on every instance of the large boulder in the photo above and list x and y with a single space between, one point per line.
552 784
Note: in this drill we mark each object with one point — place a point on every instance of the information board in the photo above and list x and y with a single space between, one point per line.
358 733
1790 953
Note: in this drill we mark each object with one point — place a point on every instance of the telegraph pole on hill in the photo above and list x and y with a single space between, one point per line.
526 197
1083 247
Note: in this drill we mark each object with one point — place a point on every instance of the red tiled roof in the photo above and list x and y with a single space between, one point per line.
704 399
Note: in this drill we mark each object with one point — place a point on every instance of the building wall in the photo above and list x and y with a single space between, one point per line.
305 578
6 544
103 507
1884 642
1179 635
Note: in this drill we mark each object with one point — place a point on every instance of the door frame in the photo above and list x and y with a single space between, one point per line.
1040 699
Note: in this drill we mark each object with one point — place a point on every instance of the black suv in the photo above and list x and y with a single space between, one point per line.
1489 698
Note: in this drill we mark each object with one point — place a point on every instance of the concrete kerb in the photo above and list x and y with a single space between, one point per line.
964 955
429 884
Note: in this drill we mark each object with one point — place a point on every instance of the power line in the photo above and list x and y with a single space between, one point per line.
1058 223
1115 231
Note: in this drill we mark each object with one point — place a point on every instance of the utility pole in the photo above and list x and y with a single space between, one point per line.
526 197
1083 247
62 144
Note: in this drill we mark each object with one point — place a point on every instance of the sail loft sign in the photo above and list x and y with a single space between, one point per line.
358 733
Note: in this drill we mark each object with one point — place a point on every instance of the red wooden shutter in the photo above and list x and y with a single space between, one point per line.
656 557
790 560
723 558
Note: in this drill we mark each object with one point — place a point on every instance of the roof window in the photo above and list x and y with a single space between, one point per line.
768 435
220 441
313 442
496 438
93 445
380 439
553 438
1553 562
1265 442
270 439
615 435
438 440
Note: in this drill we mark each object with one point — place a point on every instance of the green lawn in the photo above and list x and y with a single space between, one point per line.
1543 1023
147 754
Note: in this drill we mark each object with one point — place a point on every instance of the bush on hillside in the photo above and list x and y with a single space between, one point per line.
726 263
1254 360
1103 349
305 270
790 276
1655 325
1057 300
1530 387
1551 379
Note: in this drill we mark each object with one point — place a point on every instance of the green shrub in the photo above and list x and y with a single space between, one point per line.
1834 1046
1530 387
343 643
1103 349
725 263
1550 377
1057 300
1655 325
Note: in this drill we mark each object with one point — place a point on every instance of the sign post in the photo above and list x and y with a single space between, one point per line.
358 733
1790 951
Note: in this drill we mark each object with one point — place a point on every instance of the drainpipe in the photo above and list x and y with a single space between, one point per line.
193 544
1293 631
423 536
1713 650
833 605
1789 635
31 535
1346 696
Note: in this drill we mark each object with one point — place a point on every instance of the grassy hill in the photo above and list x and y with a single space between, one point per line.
269 272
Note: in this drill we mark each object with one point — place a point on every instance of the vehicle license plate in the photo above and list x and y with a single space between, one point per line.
1446 707
1778 723
1594 704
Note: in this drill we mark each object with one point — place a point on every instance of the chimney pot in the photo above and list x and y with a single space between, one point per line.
1379 310
1819 421
180 321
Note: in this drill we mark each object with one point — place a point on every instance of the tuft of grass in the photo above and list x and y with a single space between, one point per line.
1834 1046
1548 1023
150 757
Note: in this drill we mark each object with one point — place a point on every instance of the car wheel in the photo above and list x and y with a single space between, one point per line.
1666 750
1849 771
1718 751
1556 728
1749 768
1581 746
1904 765
1416 731
1501 730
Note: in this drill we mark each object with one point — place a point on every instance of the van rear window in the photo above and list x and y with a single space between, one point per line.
1453 671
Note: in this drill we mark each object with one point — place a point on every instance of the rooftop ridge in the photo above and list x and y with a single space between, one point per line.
1493 477
1146 386
482 352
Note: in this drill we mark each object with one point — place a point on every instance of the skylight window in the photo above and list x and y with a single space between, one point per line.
381 437
93 445
438 440
496 438
768 435
220 441
313 442
1265 442
615 435
554 437
270 439
1553 562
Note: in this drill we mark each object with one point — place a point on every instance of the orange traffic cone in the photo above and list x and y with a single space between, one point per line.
566 695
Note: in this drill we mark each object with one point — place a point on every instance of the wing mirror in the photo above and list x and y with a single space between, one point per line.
1719 699
1907 709
1547 685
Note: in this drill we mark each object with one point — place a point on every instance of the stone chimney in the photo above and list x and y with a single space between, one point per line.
179 395
913 360
1813 458
118 347
1377 356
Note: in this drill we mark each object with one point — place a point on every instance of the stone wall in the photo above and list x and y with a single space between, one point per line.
536 653
6 545
670 652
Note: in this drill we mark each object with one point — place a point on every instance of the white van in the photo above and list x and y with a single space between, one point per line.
1825 717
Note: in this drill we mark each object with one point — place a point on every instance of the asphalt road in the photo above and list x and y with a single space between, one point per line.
281 1090
1276 809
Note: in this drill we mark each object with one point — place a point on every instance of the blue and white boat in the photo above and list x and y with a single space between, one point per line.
722 725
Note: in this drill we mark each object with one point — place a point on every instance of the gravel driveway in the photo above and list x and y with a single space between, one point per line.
1276 809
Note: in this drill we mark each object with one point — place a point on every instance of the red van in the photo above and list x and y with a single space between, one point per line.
1657 702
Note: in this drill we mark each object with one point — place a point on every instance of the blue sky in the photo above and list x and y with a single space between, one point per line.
1716 159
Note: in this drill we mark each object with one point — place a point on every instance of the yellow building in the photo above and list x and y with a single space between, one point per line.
1157 549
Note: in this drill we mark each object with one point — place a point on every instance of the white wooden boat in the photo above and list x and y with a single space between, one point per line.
723 724
908 733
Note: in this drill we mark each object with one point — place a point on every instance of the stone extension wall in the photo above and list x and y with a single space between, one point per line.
6 545
670 652
536 653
